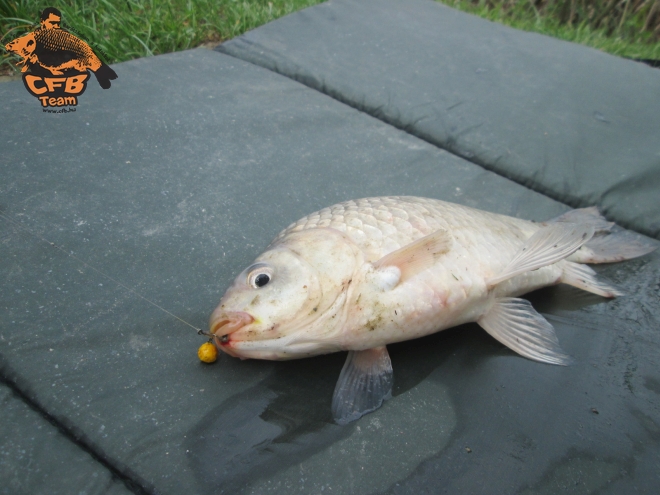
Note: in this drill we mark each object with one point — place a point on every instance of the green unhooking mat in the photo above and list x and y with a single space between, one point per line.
148 200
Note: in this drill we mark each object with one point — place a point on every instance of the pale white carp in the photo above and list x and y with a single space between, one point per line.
366 273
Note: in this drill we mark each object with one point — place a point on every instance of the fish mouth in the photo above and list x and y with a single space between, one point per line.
223 324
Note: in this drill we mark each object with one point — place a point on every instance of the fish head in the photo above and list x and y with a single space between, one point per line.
23 46
288 303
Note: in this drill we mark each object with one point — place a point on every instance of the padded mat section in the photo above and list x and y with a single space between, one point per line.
571 122
166 186
35 458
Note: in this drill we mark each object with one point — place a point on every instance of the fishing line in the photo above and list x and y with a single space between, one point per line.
71 255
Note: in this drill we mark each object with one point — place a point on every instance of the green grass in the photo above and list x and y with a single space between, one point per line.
121 30
628 28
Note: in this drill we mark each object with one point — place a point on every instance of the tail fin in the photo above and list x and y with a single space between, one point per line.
610 243
617 245
104 74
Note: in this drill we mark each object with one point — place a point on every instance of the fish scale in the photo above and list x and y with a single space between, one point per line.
399 220
58 39
362 274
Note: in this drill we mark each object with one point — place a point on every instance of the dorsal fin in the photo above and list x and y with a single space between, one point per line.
547 246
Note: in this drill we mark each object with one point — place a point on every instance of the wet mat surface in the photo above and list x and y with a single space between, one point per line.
174 180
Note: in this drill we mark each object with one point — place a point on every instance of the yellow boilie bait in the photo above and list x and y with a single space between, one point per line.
207 353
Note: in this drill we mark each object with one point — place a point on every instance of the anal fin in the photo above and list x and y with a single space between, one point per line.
584 277
517 325
364 383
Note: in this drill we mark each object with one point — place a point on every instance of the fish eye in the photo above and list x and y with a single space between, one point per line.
261 279
259 275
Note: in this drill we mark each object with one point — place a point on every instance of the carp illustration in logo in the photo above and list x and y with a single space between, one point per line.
52 51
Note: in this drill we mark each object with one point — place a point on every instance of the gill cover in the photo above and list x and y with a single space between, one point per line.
331 257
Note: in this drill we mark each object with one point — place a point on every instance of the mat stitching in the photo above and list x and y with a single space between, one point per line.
130 481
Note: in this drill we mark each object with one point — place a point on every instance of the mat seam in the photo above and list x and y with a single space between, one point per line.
131 484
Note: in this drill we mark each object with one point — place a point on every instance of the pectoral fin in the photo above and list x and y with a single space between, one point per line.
412 258
516 324
364 383
547 246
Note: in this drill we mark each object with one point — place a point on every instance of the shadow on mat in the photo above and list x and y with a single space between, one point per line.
286 418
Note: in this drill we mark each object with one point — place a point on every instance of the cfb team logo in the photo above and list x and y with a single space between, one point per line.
56 63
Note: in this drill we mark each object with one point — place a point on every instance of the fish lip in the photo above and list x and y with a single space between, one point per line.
224 323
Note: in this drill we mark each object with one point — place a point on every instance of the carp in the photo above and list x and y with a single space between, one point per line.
57 51
363 274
